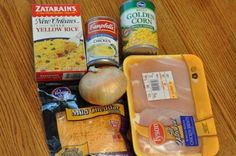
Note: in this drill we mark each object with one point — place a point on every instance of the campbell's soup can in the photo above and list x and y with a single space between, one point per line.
139 28
102 41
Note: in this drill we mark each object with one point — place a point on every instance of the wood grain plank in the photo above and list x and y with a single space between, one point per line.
226 138
23 132
226 9
203 34
169 40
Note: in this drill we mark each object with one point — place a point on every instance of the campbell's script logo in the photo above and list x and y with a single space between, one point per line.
55 8
157 133
97 26
61 92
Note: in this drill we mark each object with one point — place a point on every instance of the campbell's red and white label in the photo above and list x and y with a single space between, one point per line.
157 133
102 25
102 41
55 10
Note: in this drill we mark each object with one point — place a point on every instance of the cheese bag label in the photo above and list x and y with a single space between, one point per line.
76 127
94 111
58 42
81 150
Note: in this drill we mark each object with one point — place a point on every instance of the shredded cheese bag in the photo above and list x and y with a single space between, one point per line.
75 127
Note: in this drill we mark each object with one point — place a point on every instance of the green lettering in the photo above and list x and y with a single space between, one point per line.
140 17
129 16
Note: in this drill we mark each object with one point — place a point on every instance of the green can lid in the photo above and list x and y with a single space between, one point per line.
136 4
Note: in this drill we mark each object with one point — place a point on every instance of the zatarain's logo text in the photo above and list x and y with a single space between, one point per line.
55 8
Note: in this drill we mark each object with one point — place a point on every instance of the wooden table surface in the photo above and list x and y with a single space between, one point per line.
206 28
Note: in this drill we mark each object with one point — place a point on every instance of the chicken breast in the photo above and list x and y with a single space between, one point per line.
162 110
184 102
169 148
163 115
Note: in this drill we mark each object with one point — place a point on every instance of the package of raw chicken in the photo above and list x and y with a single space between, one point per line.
169 106
76 127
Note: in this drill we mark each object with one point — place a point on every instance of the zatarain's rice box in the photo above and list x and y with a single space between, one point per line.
58 42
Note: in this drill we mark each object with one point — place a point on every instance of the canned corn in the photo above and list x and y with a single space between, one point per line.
102 41
139 28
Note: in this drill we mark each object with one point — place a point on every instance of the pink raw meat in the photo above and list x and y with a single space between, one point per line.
163 115
166 110
184 103
169 148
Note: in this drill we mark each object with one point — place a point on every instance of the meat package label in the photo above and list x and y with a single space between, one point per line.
189 129
159 85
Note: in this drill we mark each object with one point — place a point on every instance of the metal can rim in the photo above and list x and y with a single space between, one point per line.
135 0
142 46
102 60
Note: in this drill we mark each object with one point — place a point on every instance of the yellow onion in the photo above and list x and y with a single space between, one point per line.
103 86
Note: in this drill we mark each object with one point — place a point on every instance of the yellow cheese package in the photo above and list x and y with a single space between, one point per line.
169 106
76 127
